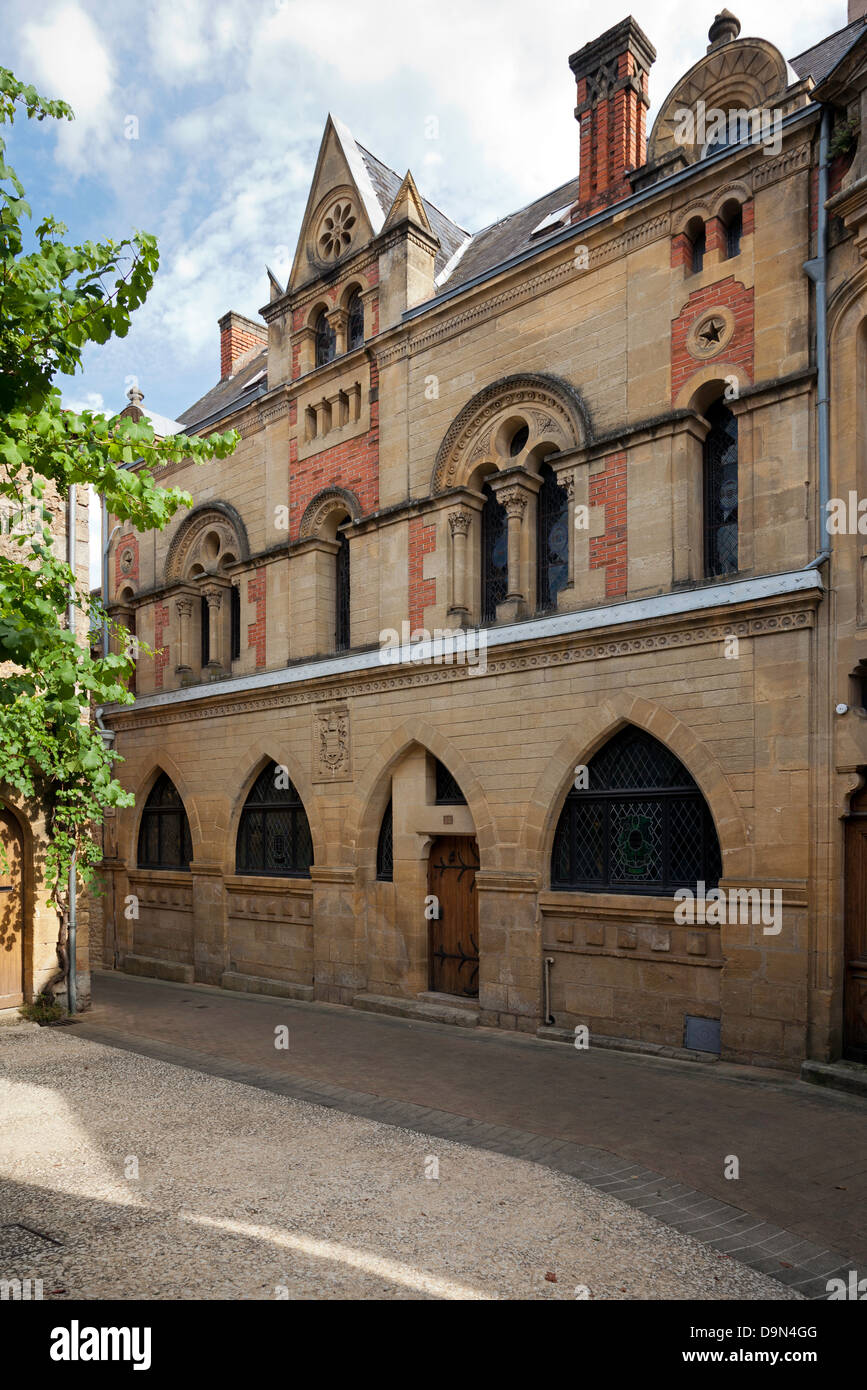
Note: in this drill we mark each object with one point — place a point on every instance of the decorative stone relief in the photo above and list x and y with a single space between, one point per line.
331 745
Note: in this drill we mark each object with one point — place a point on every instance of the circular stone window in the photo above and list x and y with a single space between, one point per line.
336 230
710 333
127 559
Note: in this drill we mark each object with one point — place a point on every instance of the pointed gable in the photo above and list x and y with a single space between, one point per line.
408 207
342 212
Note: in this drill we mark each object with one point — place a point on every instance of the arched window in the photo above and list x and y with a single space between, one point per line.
640 825
495 555
698 242
274 836
164 834
355 324
326 340
448 793
235 622
342 595
552 540
385 849
733 222
720 491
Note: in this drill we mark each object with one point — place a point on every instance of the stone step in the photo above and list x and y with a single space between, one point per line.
456 1014
850 1077
549 1033
258 984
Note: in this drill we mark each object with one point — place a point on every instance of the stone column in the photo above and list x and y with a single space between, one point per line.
339 321
459 526
184 610
214 596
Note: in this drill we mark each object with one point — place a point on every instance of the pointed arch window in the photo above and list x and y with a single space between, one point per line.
355 324
641 825
342 595
552 540
274 835
448 792
385 848
720 492
495 555
164 834
326 340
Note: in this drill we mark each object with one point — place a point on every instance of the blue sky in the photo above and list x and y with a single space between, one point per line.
229 101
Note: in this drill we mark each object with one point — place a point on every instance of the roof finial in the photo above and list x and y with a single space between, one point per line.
135 395
724 28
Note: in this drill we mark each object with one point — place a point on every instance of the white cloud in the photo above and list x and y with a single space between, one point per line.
68 59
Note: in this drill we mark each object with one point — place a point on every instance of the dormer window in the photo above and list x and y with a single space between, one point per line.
326 341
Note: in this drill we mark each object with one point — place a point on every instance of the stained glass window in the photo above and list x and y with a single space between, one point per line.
355 326
164 834
326 340
385 848
274 836
495 555
641 825
552 535
721 492
448 793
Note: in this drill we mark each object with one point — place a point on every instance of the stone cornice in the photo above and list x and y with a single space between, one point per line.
752 617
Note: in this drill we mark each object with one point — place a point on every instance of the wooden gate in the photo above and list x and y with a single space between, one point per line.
11 912
454 933
855 985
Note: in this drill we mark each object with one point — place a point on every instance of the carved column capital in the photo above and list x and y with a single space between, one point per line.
459 522
514 499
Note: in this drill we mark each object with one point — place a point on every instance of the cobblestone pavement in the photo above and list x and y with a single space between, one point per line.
125 1176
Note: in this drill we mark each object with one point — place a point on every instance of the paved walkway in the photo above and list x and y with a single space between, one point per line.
656 1133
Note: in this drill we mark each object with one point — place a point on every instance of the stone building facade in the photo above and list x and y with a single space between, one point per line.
510 638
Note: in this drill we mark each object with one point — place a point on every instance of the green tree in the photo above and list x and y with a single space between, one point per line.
55 300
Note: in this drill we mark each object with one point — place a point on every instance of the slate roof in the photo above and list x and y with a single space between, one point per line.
510 235
386 184
820 60
229 392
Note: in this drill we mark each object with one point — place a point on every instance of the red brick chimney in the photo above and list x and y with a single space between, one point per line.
237 336
611 73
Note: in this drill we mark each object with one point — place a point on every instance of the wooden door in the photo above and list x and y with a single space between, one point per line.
11 913
855 984
454 933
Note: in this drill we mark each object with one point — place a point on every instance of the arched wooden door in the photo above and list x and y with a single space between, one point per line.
11 912
454 932
855 984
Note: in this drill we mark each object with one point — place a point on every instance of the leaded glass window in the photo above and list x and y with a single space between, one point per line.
164 834
495 555
326 340
355 325
552 534
342 595
385 848
274 836
699 242
448 793
734 231
721 492
641 825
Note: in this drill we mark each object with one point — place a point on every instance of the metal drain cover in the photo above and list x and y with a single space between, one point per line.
17 1240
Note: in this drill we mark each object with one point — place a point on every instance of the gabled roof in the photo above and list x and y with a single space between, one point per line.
820 60
247 383
514 233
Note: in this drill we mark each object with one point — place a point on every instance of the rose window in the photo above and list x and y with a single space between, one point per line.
336 231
